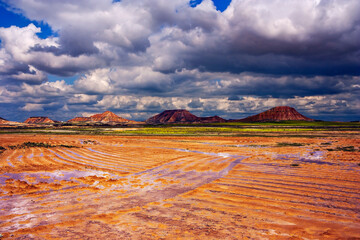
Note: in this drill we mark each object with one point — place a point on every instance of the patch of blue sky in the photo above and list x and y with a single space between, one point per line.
220 5
194 3
68 80
216 81
9 18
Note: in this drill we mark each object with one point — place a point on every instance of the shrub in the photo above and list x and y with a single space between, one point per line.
38 144
285 144
344 149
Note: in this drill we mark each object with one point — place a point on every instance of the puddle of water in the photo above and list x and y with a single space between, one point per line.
311 157
304 160
316 158
223 155
250 146
286 156
236 145
9 162
117 145
316 155
50 177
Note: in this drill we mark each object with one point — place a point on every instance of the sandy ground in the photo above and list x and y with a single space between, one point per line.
179 188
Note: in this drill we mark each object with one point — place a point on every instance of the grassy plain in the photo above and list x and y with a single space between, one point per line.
218 129
218 181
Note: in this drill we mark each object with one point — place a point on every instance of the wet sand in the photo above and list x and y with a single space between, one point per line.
180 188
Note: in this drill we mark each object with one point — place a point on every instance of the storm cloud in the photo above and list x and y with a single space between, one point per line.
137 57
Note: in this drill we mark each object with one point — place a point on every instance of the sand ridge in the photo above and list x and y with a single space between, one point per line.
179 187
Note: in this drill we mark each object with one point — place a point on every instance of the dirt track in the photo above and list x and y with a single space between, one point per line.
179 187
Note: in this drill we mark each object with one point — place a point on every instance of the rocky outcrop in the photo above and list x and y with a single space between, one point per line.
214 119
181 116
39 120
6 123
3 121
173 116
105 117
281 113
108 116
79 119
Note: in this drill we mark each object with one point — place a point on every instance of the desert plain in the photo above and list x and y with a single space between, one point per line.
267 186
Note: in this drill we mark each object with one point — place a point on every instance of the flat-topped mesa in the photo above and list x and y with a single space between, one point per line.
39 120
105 117
281 113
181 116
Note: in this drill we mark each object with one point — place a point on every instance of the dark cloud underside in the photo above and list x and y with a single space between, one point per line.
136 57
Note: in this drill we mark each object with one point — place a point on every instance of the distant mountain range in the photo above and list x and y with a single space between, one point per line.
281 113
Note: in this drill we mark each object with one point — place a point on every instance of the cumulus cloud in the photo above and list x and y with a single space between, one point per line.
33 107
292 37
21 55
196 103
277 37
47 89
144 56
117 102
82 99
95 82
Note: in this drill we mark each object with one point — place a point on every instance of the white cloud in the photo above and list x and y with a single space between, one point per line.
145 55
97 81
32 107
34 75
47 89
82 98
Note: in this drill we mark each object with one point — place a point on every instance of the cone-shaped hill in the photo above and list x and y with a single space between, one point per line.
281 113
181 116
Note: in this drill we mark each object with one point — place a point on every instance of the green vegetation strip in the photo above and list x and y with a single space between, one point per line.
285 144
201 130
296 128
292 123
37 144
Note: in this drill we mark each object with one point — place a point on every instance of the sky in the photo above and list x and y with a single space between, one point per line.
137 58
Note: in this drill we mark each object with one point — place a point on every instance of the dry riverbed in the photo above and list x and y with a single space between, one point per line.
103 187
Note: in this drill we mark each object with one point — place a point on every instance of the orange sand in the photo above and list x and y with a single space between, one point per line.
180 188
